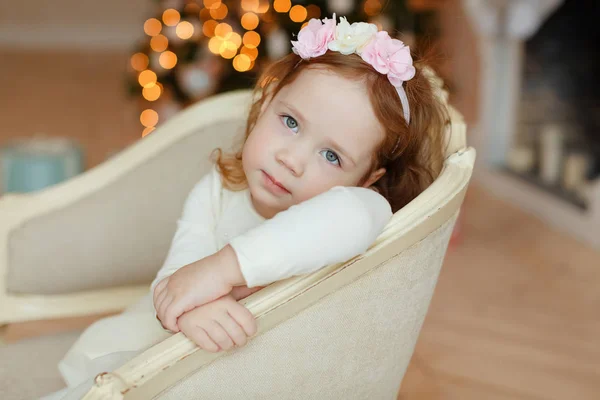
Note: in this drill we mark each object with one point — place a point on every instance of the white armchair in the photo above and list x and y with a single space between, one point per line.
94 243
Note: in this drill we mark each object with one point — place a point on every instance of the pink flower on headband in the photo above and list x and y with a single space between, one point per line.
390 57
314 38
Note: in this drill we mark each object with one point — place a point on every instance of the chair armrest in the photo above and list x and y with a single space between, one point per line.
177 357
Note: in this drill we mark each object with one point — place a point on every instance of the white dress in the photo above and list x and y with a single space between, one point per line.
329 228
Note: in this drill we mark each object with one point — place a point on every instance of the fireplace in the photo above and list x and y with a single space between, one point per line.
556 142
538 129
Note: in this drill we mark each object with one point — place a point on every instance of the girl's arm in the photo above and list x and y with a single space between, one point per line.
330 228
194 238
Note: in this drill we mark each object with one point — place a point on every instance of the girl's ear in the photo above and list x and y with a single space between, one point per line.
374 177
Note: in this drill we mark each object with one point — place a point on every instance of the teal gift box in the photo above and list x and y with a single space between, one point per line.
36 163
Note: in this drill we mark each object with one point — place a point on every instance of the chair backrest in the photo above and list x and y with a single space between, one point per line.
346 331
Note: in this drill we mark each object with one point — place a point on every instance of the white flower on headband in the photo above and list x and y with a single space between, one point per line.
351 38
389 56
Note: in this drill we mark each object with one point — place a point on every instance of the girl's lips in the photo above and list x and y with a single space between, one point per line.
274 182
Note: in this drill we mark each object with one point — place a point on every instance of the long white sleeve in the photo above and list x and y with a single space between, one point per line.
195 237
329 228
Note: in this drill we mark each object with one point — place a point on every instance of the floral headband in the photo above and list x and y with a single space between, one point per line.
388 56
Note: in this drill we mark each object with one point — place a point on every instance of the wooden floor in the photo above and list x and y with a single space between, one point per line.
516 314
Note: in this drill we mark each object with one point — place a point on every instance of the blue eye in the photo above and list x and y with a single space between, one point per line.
331 157
290 123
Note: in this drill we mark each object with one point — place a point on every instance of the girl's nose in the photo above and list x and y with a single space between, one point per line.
293 162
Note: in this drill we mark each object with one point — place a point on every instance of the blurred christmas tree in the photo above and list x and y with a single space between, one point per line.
195 48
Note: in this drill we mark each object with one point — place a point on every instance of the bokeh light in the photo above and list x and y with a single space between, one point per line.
251 39
282 6
147 130
152 93
212 4
209 28
147 78
159 43
171 17
251 52
298 13
242 63
220 12
139 62
250 5
223 29
313 11
152 27
372 7
184 30
149 118
168 60
250 21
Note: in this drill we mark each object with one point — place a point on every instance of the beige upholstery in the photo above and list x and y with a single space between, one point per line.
343 332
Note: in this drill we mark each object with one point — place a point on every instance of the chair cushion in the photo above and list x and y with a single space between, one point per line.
28 369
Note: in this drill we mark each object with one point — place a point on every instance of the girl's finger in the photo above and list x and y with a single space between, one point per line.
199 336
233 329
162 310
160 287
244 318
159 299
218 334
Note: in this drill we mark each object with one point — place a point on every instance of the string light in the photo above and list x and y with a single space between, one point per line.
372 7
242 63
250 5
209 28
282 6
149 118
167 60
251 52
214 44
152 93
249 21
205 14
212 4
184 30
234 38
159 43
263 8
251 39
147 78
223 29
139 62
152 27
171 17
219 12
298 13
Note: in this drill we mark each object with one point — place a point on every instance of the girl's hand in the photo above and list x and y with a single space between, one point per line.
196 284
218 325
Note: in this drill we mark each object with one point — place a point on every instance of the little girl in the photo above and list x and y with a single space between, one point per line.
341 133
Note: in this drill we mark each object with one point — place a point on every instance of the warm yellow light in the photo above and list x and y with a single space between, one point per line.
152 93
209 28
184 30
242 63
234 38
219 12
251 39
298 13
372 7
251 52
249 21
223 29
282 6
214 44
304 24
313 11
171 17
167 60
149 118
159 43
228 50
212 4
147 78
139 62
147 130
250 5
152 27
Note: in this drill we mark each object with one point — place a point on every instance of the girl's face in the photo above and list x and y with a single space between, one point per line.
320 131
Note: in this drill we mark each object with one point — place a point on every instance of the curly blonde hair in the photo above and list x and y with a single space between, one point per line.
417 159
